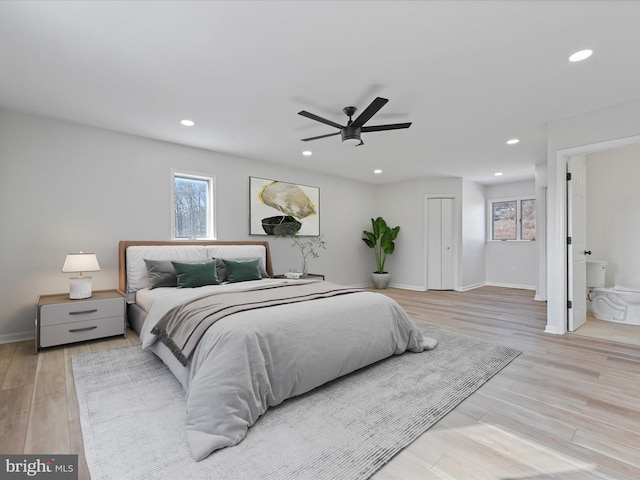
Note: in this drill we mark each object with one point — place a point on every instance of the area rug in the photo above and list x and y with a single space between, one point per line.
132 412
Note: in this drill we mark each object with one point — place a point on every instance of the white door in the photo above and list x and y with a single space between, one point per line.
440 266
577 249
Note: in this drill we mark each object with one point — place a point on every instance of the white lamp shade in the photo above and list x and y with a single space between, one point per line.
81 262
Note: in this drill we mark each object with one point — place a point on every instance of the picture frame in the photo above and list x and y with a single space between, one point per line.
283 208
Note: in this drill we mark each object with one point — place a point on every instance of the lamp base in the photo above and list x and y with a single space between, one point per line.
80 287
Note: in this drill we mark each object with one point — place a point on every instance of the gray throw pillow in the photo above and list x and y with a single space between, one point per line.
161 274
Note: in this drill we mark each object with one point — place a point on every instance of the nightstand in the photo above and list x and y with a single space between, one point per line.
60 320
306 277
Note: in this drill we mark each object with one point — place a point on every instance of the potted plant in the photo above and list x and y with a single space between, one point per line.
381 240
308 246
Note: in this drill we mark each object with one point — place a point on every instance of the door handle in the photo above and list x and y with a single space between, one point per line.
587 252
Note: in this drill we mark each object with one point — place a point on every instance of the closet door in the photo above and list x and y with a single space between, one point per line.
440 244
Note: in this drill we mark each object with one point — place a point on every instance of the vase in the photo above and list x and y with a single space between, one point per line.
380 280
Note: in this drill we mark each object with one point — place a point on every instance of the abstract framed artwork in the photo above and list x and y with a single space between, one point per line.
283 209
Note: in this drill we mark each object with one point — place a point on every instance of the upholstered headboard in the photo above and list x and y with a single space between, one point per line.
132 274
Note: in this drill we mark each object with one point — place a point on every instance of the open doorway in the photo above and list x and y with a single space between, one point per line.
600 239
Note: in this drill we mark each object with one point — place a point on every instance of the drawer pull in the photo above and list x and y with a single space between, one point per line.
82 312
74 330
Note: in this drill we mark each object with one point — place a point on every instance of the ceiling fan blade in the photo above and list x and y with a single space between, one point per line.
370 111
321 136
315 117
380 128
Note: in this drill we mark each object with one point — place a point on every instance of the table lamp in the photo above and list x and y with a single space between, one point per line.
80 262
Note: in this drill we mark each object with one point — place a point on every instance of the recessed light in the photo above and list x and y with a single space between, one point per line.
581 55
306 153
513 141
377 171
498 174
188 123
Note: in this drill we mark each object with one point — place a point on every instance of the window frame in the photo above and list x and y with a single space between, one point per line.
490 223
211 202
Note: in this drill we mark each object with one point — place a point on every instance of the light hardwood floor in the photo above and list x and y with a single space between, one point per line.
567 408
618 332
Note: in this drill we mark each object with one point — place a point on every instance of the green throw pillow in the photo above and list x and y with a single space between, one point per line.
196 274
241 270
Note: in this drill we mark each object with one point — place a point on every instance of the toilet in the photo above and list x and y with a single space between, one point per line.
617 304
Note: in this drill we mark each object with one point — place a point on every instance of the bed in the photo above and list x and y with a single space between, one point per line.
240 340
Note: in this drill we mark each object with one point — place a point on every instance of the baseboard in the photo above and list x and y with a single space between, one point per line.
470 287
391 285
511 285
554 330
16 337
419 288
465 288
415 288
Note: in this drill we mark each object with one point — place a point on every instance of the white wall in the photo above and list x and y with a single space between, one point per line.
401 204
613 213
512 264
476 262
473 251
66 187
541 180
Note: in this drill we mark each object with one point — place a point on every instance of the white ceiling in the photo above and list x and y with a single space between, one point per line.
468 74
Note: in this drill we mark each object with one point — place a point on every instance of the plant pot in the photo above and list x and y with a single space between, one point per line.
380 280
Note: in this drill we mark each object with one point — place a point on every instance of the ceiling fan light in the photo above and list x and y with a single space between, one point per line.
350 135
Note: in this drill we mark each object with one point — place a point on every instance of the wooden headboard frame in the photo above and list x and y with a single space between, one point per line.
124 244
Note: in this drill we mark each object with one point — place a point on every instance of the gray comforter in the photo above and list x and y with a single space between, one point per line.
251 360
182 327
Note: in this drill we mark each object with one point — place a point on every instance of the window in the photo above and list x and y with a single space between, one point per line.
513 219
528 219
192 214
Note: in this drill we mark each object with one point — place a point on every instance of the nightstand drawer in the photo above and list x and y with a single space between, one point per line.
80 331
79 311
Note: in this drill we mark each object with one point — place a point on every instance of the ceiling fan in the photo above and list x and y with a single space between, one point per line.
352 130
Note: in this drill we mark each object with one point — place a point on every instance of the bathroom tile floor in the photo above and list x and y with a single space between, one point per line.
612 331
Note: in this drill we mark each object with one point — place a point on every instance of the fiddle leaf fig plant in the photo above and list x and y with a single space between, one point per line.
381 240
